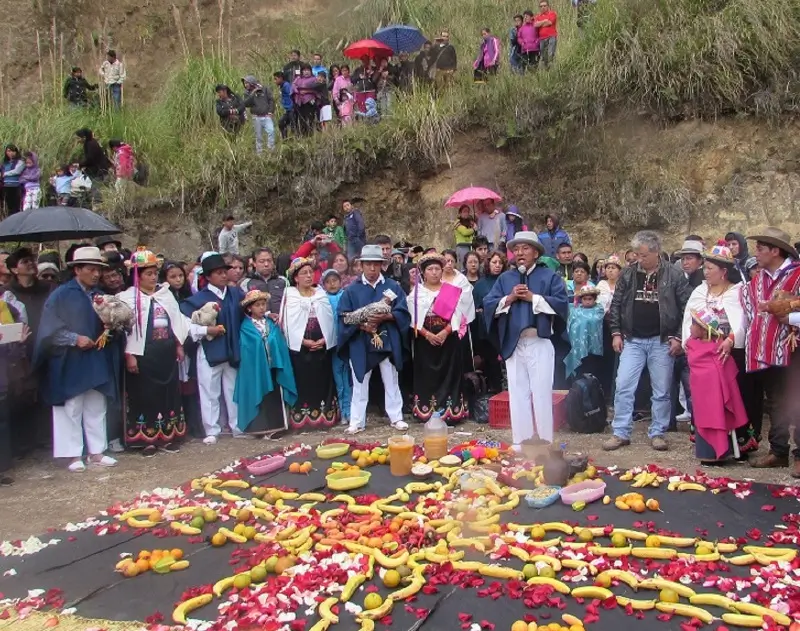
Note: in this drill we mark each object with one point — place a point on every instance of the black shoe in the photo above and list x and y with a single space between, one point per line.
149 451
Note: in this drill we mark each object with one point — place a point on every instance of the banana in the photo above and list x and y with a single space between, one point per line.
592 591
440 559
178 565
367 625
210 490
325 612
689 611
352 546
577 564
378 613
343 497
621 505
468 543
521 554
518 527
390 562
633 535
412 515
655 553
285 495
179 613
409 590
763 559
140 523
231 497
758 610
495 571
263 514
260 503
570 620
623 576
136 512
352 584
467 566
356 509
232 536
181 511
643 479
547 543
330 514
312 497
714 600
418 487
610 552
771 552
302 549
575 545
742 559
300 537
661 583
321 625
370 567
184 529
286 533
636 604
626 477
391 508
725 547
560 587
742 620
691 486
713 556
221 586
677 542
551 561
559 526
234 484
445 528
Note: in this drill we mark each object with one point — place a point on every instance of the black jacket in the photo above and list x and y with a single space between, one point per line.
673 294
95 162
260 100
445 57
75 90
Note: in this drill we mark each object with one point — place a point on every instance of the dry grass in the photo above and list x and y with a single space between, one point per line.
38 500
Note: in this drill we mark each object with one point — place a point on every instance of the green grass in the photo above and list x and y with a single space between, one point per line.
673 59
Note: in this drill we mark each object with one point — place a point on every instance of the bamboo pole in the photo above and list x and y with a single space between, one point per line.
196 9
53 50
39 57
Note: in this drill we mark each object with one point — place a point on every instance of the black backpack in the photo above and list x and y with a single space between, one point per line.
586 406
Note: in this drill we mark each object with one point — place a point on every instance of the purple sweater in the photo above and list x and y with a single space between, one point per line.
528 38
31 175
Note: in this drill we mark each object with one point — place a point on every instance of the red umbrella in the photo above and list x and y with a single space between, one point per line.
368 47
470 196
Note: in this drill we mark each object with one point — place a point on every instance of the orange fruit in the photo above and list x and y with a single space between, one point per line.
176 553
131 570
218 539
294 467
155 555
375 542
637 506
144 554
394 527
143 565
519 625
305 467
387 538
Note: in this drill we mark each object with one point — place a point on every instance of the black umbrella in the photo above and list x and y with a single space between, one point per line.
55 223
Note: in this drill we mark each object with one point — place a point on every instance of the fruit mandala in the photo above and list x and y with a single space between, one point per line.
460 549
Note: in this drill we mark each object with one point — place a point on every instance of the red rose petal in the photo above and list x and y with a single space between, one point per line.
768 508
592 517
465 617
485 624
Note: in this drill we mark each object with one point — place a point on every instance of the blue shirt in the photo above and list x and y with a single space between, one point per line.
315 70
286 96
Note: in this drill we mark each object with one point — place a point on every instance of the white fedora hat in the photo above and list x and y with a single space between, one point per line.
87 255
372 253
526 236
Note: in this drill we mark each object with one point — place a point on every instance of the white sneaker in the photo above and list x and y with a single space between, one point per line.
77 467
115 446
210 440
105 461
399 425
354 429
682 418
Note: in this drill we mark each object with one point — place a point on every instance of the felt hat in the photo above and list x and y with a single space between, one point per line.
614 260
721 254
101 241
143 259
430 259
372 253
254 295
708 319
776 238
87 255
588 290
690 246
526 236
212 262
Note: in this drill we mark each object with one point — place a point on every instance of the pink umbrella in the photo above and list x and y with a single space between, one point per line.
470 196
368 47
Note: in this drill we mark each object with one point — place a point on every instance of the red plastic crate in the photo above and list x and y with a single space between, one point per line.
500 415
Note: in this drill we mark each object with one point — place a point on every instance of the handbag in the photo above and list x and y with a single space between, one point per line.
444 305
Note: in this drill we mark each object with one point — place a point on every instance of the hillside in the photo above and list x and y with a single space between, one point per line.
677 116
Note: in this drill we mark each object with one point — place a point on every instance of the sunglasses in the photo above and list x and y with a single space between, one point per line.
47 277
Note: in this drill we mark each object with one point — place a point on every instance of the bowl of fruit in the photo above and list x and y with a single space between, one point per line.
542 496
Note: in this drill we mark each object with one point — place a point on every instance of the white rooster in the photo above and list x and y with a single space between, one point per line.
206 316
115 316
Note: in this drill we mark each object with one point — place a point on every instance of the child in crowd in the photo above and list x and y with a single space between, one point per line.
335 231
332 283
324 100
345 106
79 187
371 115
29 180
585 328
62 183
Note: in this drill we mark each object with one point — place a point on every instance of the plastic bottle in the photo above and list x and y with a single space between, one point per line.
435 437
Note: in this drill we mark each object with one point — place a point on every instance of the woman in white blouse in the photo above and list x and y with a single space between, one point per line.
307 322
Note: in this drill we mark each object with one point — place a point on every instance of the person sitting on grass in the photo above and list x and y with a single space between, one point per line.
371 115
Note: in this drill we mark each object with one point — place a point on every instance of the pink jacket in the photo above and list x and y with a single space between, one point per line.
124 162
489 53
528 38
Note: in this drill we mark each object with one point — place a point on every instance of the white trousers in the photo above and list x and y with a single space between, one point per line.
84 415
530 389
393 400
213 382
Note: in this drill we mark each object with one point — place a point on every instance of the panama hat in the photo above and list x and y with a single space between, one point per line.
691 246
87 255
526 237
372 253
776 238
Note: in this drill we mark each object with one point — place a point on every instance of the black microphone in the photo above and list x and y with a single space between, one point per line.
523 276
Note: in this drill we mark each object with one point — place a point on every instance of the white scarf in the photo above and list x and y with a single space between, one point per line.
178 322
730 303
295 311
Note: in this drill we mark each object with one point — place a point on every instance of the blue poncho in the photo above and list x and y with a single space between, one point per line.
586 335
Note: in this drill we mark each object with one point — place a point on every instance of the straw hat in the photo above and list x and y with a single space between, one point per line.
707 319
143 259
253 296
430 259
588 290
776 238
721 254
614 260
87 255
297 264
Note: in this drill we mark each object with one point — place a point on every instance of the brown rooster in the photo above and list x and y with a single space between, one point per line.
782 304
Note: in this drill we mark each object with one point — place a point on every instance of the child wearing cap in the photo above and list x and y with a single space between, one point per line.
332 282
585 327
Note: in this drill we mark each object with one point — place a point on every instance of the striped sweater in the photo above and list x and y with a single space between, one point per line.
767 341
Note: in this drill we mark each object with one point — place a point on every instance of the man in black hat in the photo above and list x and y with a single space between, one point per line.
108 244
216 325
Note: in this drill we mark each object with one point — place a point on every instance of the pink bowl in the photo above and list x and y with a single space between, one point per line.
586 491
266 465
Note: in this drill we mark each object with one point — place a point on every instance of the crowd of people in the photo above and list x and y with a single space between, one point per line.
261 345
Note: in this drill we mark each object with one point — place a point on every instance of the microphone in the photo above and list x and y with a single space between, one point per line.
523 277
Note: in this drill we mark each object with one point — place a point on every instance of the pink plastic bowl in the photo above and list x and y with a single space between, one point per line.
586 491
266 465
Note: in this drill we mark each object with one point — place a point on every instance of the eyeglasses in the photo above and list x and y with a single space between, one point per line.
50 277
